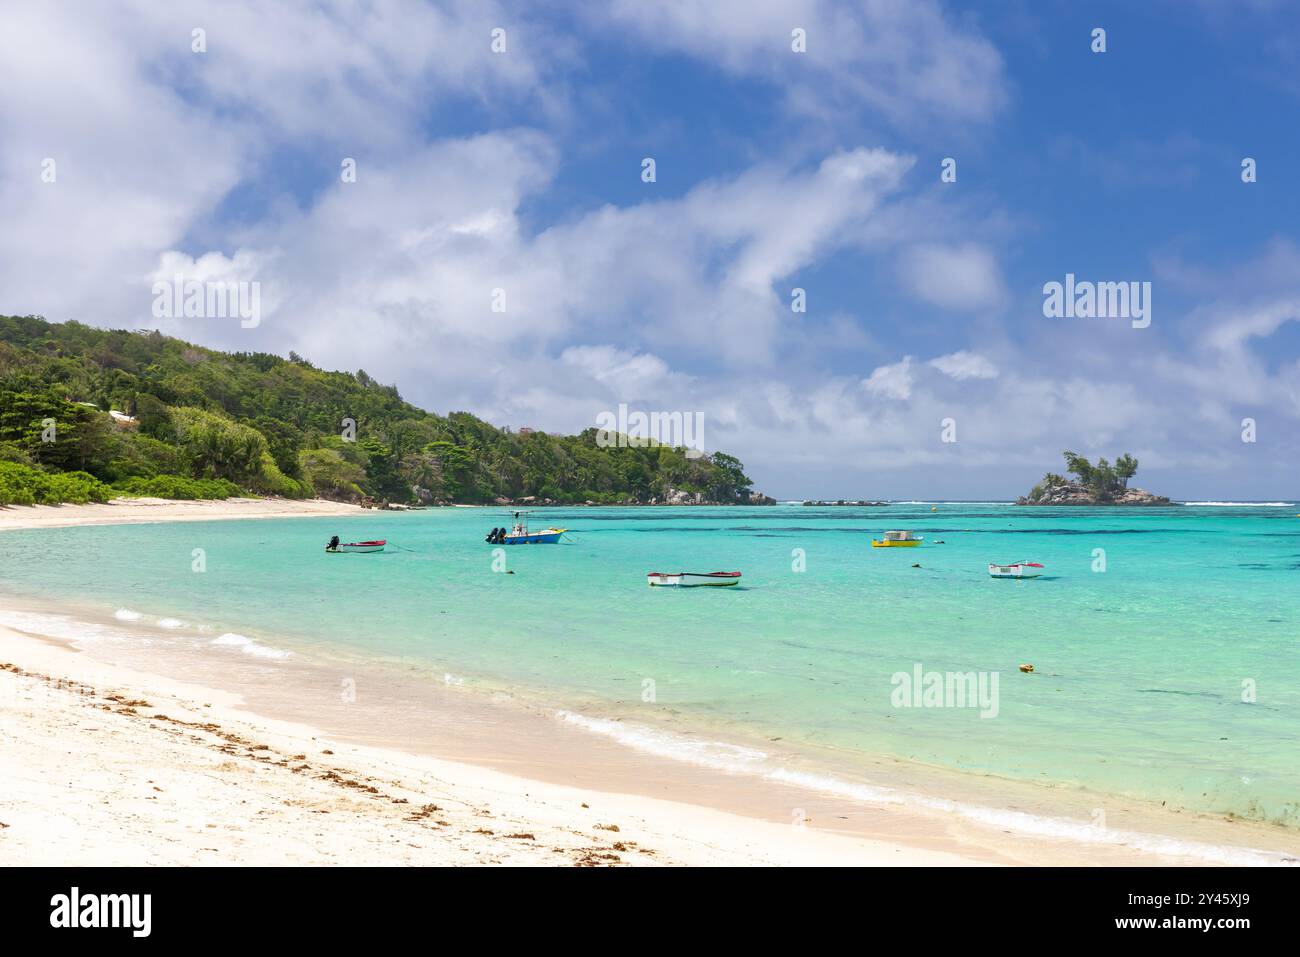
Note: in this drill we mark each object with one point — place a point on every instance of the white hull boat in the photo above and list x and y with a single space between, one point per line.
1017 570
692 579
373 546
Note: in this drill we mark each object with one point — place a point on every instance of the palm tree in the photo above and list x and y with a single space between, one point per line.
1125 468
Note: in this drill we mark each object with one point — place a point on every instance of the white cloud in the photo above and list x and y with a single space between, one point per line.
959 277
630 375
903 58
391 257
676 303
1232 333
148 137
891 381
965 365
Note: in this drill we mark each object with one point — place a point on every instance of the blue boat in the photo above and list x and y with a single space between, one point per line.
520 535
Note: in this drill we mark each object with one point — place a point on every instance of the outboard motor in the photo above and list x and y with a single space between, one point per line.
333 544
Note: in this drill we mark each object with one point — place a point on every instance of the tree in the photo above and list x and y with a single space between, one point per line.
1125 467
282 439
82 436
330 474
381 470
206 417
729 481
215 447
1103 479
1077 465
455 464
153 417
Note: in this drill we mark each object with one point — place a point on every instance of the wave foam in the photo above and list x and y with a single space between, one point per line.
710 754
1243 504
126 614
249 646
59 626
720 756
943 502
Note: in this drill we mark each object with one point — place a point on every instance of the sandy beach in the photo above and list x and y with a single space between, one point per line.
102 765
114 757
105 766
130 511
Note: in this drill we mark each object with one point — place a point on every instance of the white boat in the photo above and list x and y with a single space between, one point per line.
692 579
1017 570
335 547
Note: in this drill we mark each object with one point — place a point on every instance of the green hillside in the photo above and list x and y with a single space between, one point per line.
197 423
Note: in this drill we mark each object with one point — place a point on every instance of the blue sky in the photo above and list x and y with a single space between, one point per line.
521 171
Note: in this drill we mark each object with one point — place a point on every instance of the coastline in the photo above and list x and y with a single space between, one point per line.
188 772
164 772
426 745
131 511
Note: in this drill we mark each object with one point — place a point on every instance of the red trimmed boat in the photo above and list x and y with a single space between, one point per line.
692 579
373 546
1016 570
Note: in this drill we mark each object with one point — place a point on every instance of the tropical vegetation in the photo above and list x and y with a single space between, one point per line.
1104 481
88 413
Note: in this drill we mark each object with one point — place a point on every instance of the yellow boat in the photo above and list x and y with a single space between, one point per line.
897 540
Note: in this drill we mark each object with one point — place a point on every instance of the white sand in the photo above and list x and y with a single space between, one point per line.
127 511
100 765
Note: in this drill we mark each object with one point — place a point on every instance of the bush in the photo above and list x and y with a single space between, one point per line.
330 475
177 486
24 485
139 456
12 452
274 482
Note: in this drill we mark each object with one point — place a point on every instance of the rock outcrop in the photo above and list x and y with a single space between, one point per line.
676 496
1072 493
672 496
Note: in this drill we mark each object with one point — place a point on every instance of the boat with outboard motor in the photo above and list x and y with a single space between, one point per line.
519 533
334 547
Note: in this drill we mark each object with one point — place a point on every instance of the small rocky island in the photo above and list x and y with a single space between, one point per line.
1100 484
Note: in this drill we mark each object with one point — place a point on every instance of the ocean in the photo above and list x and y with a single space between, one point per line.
1164 641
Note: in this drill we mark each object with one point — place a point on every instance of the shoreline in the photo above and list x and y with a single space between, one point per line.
467 747
132 511
688 811
180 775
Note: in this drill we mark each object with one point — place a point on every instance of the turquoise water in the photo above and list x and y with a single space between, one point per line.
1139 676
